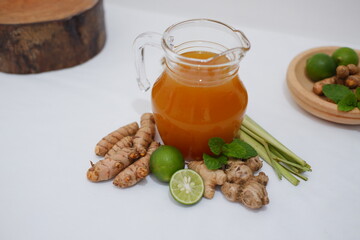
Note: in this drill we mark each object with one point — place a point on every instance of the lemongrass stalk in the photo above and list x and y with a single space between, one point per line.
276 152
295 173
293 180
256 145
257 129
266 146
252 125
280 156
292 164
264 155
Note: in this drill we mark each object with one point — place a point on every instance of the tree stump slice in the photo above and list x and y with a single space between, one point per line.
43 35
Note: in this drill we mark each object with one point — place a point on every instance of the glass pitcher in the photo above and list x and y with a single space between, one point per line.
199 94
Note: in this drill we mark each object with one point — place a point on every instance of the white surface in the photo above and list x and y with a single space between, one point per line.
50 123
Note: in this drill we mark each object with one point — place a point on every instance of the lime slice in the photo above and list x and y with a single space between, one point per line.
186 186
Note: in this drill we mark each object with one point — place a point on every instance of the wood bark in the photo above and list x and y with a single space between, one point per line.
38 36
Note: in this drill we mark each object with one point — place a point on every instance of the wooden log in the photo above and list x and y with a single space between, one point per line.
44 35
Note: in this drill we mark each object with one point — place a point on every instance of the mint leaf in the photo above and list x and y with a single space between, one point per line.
234 150
214 163
348 103
358 105
216 145
250 151
335 92
357 93
239 149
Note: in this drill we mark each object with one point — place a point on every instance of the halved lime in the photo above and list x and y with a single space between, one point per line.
186 186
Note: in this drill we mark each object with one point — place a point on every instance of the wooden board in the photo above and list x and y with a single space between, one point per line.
44 35
300 87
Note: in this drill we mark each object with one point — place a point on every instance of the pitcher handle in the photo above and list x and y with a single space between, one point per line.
143 40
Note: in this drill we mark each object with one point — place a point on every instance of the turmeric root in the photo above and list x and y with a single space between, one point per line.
121 148
107 142
211 178
318 86
144 136
345 75
242 186
103 170
353 81
125 142
111 166
136 171
252 193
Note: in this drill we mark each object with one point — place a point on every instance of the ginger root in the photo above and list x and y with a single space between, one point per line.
348 75
136 171
144 136
211 178
242 186
107 142
345 75
353 69
239 172
353 81
252 193
342 72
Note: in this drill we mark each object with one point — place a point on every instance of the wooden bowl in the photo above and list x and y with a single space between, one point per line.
301 86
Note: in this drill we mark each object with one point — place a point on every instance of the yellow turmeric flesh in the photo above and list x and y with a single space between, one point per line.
136 171
107 142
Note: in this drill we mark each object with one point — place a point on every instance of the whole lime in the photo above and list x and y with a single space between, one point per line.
320 66
345 56
165 161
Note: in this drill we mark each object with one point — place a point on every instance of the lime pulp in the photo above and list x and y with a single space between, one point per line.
186 186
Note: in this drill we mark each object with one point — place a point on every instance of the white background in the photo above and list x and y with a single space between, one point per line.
50 122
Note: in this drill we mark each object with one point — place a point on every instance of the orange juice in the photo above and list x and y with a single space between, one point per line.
193 103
